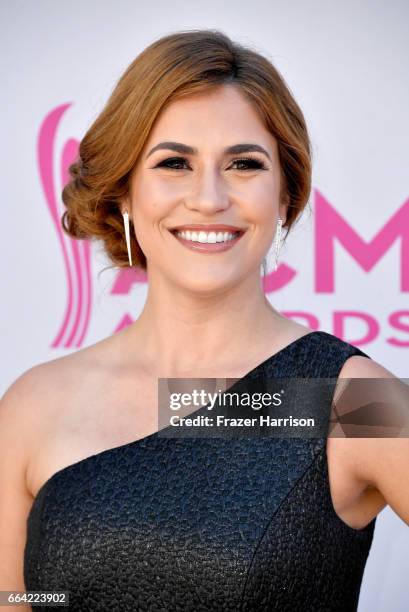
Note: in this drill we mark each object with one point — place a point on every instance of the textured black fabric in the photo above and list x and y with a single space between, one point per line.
205 524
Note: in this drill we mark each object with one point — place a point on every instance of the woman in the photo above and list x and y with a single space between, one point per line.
198 158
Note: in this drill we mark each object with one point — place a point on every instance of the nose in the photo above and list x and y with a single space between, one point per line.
208 193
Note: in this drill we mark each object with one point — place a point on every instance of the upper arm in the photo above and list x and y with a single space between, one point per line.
382 462
17 428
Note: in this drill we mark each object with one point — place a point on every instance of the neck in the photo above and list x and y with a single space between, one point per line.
182 333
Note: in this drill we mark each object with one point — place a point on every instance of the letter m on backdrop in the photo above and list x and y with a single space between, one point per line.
331 226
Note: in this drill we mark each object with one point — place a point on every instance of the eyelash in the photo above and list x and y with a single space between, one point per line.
258 165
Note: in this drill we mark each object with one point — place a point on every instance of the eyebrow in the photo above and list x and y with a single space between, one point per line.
187 150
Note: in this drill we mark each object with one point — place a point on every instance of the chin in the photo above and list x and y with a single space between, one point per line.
210 283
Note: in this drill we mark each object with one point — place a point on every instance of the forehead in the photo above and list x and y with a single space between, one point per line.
221 115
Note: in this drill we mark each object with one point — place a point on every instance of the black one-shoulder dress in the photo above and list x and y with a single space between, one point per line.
203 524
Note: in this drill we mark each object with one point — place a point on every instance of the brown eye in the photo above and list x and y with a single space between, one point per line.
172 163
250 164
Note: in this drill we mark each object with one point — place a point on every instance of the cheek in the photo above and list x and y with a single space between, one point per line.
155 198
260 199
260 210
163 188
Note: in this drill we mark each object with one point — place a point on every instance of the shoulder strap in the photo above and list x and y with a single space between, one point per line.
326 355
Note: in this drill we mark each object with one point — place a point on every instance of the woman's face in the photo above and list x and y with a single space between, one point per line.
187 178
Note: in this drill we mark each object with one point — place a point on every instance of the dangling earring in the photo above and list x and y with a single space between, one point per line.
277 243
273 251
127 236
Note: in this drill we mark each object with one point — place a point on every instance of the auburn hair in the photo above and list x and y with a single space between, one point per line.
176 65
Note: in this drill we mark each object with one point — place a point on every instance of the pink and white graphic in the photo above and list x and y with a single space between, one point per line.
76 253
330 225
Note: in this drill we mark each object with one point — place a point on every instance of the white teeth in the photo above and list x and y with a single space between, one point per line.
207 237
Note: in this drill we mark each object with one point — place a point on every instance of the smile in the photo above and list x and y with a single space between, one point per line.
207 241
208 237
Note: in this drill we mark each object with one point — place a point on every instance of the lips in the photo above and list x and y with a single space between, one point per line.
223 237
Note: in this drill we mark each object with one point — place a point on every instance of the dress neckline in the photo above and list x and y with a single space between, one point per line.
262 364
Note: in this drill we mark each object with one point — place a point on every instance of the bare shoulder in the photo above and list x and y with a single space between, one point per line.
24 402
358 366
38 387
31 404
390 476
28 411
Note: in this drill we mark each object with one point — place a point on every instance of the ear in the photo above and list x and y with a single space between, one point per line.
125 205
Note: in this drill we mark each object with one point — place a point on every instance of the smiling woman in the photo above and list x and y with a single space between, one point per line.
199 157
168 196
204 72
